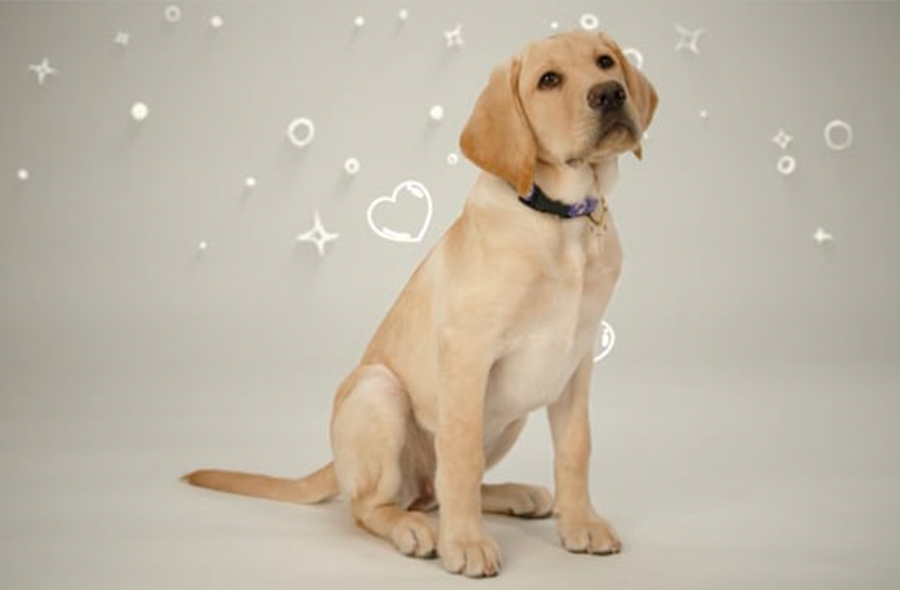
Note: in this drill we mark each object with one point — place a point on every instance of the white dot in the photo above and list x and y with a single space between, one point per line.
22 174
554 25
139 111
787 164
216 22
351 166
436 113
203 245
172 13
359 21
250 182
452 159
704 114
403 14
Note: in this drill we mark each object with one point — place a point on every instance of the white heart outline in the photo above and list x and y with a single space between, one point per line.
418 190
612 342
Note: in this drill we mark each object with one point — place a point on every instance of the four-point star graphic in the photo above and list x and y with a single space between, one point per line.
42 70
318 235
782 139
821 236
454 37
688 39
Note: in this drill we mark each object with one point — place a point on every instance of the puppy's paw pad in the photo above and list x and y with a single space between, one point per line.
594 536
477 558
531 502
523 501
415 535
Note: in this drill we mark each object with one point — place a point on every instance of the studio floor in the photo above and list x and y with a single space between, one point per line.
787 477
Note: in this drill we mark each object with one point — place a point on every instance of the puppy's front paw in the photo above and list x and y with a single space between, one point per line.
589 535
477 557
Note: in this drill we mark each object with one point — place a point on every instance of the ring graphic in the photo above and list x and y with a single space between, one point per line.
172 13
787 164
307 138
848 133
635 57
589 21
351 166
606 340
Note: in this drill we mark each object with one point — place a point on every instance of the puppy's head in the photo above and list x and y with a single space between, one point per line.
573 96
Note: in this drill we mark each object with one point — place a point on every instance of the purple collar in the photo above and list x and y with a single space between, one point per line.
539 201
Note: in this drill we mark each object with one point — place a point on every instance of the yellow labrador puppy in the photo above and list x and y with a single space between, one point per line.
498 320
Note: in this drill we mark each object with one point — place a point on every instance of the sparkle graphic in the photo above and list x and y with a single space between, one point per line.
43 70
554 25
318 235
122 38
22 174
202 245
821 236
436 112
688 39
782 139
250 182
454 37
216 22
359 22
704 114
452 159
403 14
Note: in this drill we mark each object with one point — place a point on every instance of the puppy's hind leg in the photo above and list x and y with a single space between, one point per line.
513 499
370 428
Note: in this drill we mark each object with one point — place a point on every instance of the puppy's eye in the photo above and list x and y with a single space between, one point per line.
604 62
549 80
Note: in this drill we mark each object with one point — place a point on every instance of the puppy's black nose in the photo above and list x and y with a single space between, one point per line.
606 96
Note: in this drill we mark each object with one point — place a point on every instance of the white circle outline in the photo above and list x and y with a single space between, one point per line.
452 159
292 132
787 164
604 325
172 13
589 22
838 124
351 166
638 60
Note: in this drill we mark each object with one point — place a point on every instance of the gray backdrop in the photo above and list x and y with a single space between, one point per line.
127 354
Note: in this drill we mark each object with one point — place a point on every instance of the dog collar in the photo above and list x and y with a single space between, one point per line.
538 200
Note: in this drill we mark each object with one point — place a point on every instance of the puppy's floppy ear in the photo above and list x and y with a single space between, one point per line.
498 138
641 92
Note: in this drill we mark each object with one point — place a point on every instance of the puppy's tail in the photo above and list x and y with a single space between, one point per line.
318 486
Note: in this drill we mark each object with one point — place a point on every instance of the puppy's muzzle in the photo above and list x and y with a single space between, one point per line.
606 97
608 100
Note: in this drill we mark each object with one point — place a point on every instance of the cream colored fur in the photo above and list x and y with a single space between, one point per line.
499 320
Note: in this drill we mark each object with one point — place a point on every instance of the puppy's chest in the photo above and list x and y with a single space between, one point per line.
556 329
